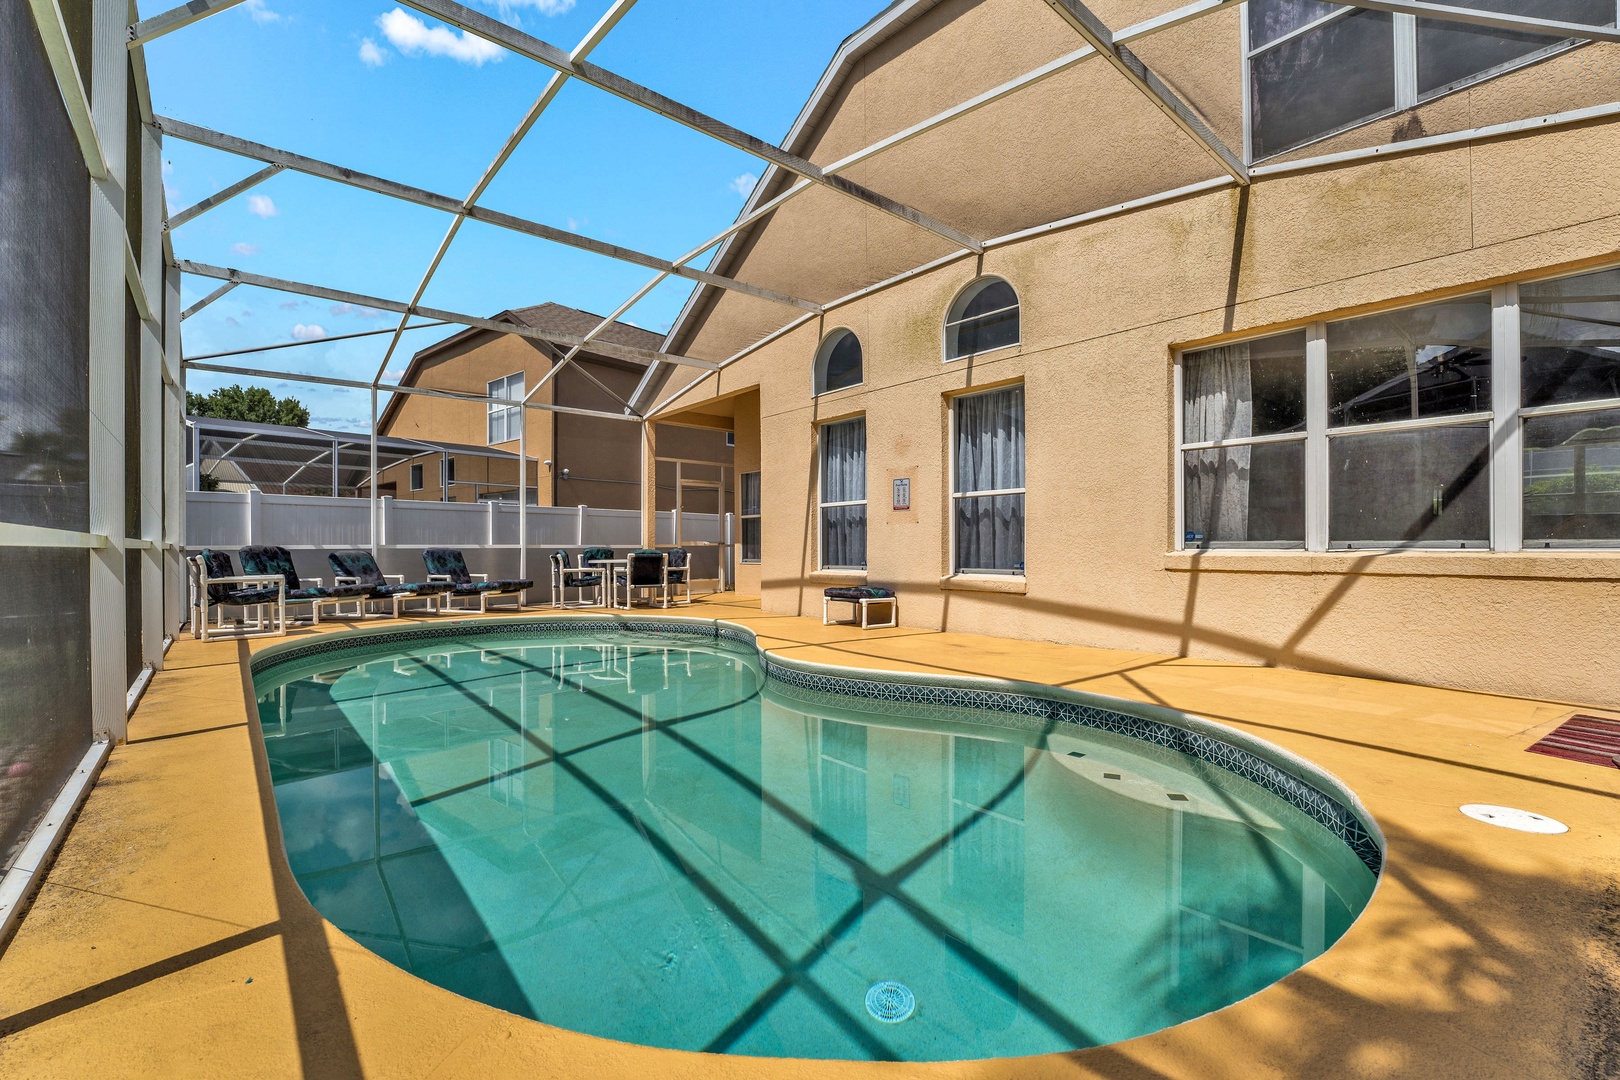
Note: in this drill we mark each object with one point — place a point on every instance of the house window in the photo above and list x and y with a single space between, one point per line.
1409 426
1570 389
416 477
1243 444
838 362
750 517
987 492
504 420
1315 69
843 495
983 318
1491 420
450 470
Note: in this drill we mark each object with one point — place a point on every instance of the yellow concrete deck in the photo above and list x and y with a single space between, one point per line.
170 939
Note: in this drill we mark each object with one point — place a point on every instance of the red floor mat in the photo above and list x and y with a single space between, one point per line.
1592 739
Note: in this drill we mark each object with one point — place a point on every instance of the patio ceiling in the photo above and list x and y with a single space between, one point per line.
1175 148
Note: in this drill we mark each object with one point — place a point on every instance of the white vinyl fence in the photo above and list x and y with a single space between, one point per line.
309 526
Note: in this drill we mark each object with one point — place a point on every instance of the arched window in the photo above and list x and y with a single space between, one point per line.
838 361
984 317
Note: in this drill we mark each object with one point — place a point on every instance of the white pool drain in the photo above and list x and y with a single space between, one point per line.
890 1002
1509 818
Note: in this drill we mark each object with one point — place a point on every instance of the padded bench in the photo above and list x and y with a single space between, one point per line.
861 598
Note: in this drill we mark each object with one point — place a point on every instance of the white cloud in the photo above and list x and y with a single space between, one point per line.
413 37
744 184
371 55
261 14
544 7
244 249
575 224
291 305
341 310
396 374
308 333
262 206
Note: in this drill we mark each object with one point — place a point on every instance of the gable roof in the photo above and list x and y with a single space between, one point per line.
548 316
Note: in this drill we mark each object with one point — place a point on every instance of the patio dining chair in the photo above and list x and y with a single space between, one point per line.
269 559
216 584
565 576
359 567
679 575
646 571
448 565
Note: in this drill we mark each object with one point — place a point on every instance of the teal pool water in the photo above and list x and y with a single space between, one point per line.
648 840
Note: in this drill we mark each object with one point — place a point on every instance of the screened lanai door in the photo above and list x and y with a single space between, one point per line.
700 495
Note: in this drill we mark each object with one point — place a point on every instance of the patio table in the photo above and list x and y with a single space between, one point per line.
609 569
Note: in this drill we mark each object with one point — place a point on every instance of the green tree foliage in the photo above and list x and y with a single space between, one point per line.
254 404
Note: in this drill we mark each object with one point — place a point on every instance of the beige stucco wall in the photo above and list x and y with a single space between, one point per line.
1104 307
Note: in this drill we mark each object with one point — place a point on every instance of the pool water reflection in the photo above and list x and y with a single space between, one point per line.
654 844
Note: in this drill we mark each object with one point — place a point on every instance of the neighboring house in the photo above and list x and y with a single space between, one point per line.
574 459
1346 397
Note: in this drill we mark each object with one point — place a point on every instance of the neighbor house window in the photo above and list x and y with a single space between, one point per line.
1570 389
750 517
416 477
1491 420
843 495
504 420
1315 69
838 362
1243 444
987 492
984 317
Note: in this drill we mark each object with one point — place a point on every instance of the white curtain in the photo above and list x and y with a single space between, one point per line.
1218 404
843 479
990 457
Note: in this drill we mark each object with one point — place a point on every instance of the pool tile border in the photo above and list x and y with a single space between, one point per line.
1199 739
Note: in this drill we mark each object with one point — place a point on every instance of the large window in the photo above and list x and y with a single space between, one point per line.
1315 69
987 492
1243 448
843 495
505 420
1570 389
983 318
1490 420
750 517
838 362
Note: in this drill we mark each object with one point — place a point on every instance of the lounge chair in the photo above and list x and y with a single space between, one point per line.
447 565
565 576
218 585
646 571
357 567
269 559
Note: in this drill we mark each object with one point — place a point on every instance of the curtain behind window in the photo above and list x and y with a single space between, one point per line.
1219 405
843 479
990 457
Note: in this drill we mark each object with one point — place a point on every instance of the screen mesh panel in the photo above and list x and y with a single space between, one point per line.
44 434
44 291
44 681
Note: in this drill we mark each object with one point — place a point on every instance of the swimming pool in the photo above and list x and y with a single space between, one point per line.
640 829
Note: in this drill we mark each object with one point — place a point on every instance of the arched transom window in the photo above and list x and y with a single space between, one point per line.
984 317
838 361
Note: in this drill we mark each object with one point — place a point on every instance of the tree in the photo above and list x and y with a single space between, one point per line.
254 404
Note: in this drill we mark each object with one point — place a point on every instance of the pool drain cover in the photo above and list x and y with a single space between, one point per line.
890 1002
1511 818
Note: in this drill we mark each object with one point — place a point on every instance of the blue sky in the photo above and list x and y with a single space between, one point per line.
380 88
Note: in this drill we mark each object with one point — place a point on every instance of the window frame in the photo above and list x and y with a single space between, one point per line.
1407 96
950 466
415 476
744 516
824 349
979 283
822 505
1506 417
501 390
